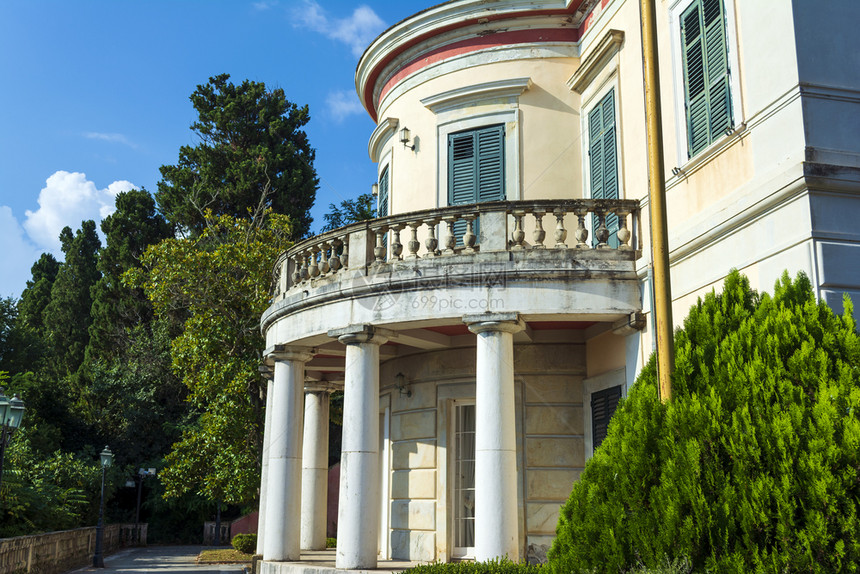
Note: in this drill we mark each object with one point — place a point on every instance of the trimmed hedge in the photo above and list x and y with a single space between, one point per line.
754 465
503 566
245 543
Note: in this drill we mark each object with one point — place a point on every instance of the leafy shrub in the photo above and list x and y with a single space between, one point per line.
753 466
503 566
331 542
245 543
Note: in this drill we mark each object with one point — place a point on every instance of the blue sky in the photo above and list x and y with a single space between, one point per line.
95 99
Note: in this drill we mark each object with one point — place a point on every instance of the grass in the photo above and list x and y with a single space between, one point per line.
223 556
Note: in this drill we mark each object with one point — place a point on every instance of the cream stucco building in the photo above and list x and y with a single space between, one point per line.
485 325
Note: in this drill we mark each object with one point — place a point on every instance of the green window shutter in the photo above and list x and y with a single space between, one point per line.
707 95
603 405
476 170
382 210
603 159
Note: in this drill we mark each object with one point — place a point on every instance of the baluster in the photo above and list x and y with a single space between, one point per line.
379 250
581 233
396 246
344 257
413 244
313 267
297 269
469 237
324 266
623 233
539 234
334 260
305 266
560 233
601 234
450 239
518 235
431 243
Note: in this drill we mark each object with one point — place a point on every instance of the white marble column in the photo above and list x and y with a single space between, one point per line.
284 481
315 466
358 501
264 470
496 521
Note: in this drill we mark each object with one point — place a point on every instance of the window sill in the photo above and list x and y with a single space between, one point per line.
701 159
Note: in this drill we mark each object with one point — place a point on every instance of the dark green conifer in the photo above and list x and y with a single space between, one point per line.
753 466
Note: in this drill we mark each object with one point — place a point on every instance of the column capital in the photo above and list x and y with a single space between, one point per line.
501 322
319 387
288 353
357 334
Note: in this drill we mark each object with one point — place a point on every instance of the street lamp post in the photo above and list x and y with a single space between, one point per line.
11 413
98 557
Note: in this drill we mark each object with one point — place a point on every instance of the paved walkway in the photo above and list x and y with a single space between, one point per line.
161 560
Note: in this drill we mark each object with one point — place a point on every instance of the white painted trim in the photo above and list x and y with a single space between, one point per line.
595 61
470 95
380 136
385 478
592 385
738 116
508 53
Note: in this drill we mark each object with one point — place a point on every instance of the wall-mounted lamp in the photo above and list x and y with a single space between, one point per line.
374 190
402 384
405 137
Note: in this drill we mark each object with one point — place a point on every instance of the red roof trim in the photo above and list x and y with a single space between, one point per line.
374 74
477 44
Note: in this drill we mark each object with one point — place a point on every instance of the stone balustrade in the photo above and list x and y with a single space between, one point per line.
55 552
515 226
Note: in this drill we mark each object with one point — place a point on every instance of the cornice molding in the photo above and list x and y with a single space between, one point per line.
380 135
596 59
460 97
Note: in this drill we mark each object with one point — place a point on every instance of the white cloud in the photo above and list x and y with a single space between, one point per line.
342 104
68 199
264 5
356 31
19 254
112 138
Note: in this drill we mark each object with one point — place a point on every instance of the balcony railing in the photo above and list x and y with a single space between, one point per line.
515 226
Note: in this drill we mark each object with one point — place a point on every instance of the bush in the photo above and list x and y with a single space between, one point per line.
754 464
503 566
245 543
331 542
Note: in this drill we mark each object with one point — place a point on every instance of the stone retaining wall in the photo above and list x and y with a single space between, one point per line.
56 552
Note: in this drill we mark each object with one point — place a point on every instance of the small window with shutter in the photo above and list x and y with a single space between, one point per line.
476 170
382 209
707 81
603 405
603 160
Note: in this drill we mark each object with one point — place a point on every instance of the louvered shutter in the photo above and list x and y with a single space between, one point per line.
603 160
707 95
382 210
603 405
475 170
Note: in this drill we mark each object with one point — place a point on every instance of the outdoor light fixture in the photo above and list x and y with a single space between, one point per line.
404 138
11 413
98 558
374 190
402 383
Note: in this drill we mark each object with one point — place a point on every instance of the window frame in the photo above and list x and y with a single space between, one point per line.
593 385
456 552
683 158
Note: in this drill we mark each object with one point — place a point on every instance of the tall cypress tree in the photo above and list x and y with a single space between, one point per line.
117 308
67 315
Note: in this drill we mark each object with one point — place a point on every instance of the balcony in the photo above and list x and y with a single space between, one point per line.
547 260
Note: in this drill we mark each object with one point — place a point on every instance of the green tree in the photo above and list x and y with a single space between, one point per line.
253 155
37 293
350 211
67 315
753 466
221 280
